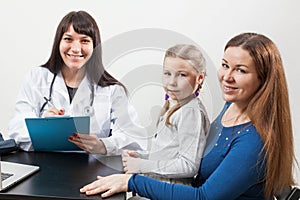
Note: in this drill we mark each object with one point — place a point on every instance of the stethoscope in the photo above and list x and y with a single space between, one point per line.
87 110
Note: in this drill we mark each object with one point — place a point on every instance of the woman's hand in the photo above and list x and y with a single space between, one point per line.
52 111
131 162
108 185
89 143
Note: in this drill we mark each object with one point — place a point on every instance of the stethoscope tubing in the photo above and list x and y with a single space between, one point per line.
88 110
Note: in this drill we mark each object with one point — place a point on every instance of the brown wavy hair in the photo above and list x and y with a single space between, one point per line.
269 110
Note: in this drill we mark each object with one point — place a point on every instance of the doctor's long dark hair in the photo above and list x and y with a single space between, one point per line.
83 23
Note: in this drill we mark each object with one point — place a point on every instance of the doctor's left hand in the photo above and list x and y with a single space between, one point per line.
89 143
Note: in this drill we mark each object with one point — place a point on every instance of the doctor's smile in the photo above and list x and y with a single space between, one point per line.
74 56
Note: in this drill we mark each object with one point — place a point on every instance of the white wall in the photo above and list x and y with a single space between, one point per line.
28 28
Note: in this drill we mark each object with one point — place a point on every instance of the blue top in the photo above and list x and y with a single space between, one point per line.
232 168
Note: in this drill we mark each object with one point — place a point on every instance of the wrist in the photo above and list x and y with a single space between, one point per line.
126 181
102 148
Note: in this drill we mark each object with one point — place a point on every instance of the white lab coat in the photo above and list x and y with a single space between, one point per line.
111 111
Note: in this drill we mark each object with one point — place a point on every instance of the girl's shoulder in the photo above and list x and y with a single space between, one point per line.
195 107
194 104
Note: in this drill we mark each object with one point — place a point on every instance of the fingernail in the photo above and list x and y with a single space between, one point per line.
70 138
75 134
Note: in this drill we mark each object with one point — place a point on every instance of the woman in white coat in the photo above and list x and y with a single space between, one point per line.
74 82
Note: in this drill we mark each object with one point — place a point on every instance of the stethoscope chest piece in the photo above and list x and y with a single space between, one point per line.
88 110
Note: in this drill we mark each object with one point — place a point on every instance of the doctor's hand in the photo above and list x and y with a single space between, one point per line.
89 143
108 185
52 111
131 164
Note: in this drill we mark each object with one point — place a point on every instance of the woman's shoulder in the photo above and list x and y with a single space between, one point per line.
37 73
115 89
249 134
112 88
38 70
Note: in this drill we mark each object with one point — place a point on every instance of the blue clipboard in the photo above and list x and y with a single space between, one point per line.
51 133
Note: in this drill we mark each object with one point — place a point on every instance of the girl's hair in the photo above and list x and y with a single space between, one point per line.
269 110
83 23
193 55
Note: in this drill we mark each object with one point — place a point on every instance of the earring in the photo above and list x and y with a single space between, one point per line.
196 94
166 97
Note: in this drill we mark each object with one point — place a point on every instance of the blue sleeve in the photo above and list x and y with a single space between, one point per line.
238 171
153 189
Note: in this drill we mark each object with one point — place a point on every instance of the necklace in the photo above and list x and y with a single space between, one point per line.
230 119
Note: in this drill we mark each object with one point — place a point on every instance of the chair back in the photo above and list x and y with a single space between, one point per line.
289 193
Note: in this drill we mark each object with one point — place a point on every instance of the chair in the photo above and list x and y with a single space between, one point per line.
294 194
289 194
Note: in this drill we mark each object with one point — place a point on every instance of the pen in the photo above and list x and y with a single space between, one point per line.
60 112
49 102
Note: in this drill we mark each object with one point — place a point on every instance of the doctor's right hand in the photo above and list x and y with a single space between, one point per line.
52 111
88 142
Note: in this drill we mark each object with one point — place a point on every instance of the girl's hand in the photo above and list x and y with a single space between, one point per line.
131 164
131 153
89 143
108 185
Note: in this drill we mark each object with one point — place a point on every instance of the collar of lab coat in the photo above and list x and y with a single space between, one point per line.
83 93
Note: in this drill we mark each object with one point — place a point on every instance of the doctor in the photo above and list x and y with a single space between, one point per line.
74 82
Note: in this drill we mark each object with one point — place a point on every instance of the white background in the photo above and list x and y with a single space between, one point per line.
28 28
